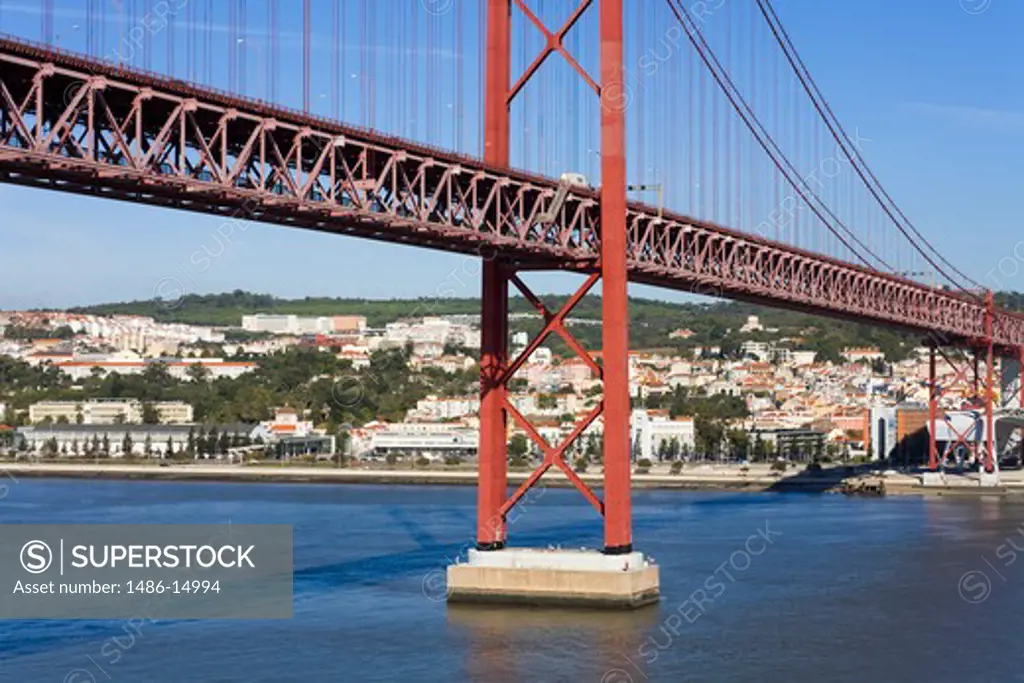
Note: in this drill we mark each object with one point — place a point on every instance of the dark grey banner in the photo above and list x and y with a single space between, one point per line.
127 571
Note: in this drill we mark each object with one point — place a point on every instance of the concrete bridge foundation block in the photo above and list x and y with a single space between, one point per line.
534 576
989 479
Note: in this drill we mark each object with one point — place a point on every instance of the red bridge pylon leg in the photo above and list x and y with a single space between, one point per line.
1020 395
990 384
933 408
618 535
492 484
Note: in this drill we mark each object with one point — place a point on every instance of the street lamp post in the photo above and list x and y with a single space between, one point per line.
652 187
642 187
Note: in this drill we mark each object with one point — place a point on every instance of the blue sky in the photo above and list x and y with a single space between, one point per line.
934 88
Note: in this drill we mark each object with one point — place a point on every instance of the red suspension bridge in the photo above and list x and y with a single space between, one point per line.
468 115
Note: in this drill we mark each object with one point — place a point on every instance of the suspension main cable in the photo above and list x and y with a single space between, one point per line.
852 152
766 141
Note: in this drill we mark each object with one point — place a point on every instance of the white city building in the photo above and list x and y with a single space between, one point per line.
434 409
802 358
759 350
107 411
752 324
82 367
866 354
296 324
287 435
425 439
137 333
431 330
79 440
287 324
648 429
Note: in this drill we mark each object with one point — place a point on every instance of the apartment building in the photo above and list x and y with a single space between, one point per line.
295 324
215 368
107 411
429 440
649 428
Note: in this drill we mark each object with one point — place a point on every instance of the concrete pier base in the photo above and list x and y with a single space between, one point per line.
989 479
534 576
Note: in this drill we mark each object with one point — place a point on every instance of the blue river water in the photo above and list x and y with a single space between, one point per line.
814 588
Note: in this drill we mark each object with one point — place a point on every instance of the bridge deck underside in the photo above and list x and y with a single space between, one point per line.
77 125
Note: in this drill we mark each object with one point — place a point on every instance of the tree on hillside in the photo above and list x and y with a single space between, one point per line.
150 415
760 448
212 442
739 443
156 378
518 446
673 448
198 373
223 443
685 452
662 450
709 434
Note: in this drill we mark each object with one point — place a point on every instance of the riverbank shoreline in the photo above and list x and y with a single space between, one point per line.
702 478
324 475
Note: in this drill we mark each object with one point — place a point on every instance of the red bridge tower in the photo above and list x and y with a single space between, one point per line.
494 571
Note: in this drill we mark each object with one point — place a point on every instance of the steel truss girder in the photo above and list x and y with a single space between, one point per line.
80 125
